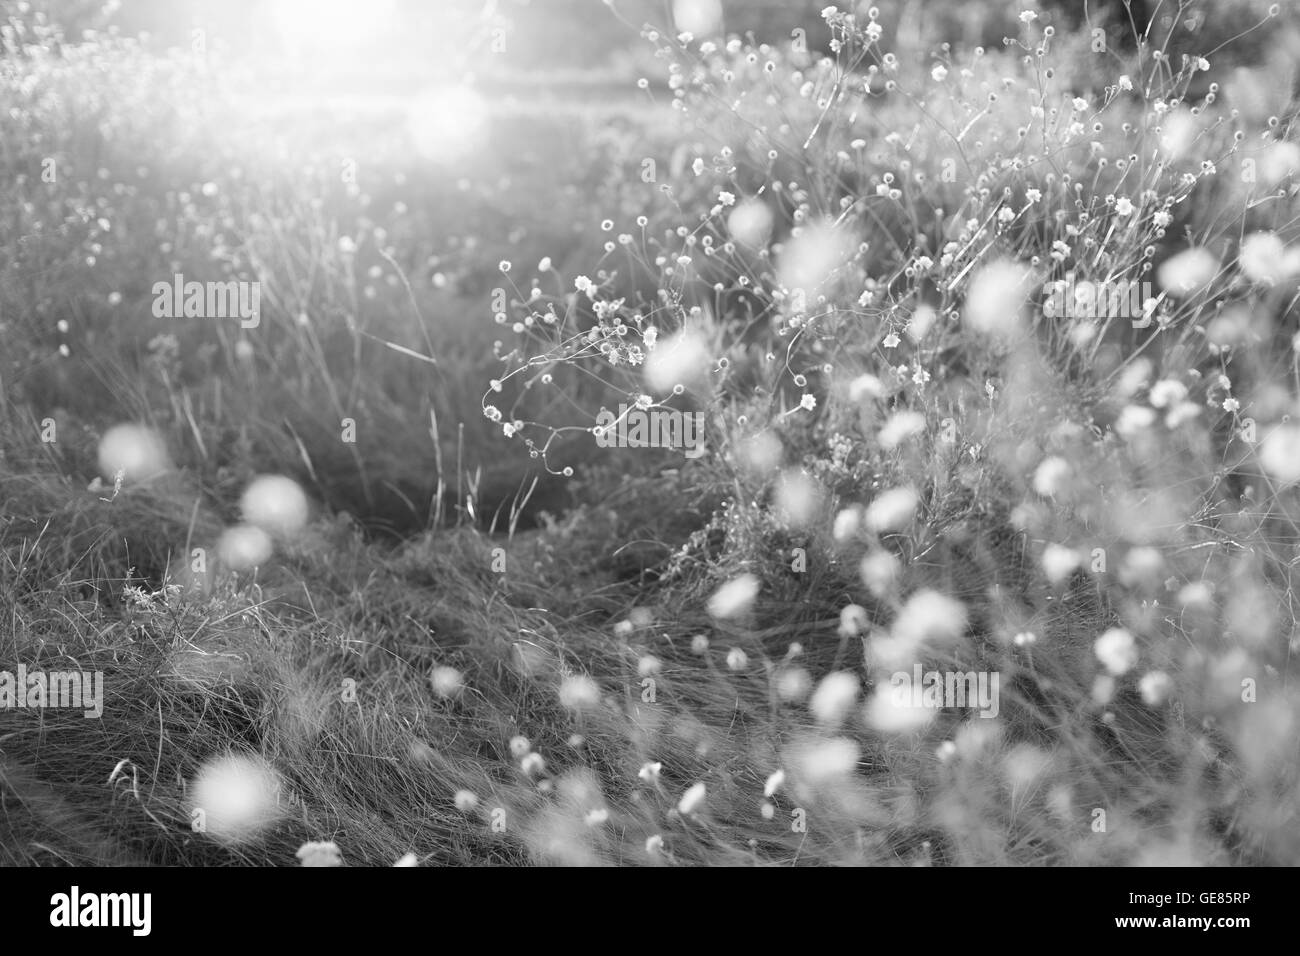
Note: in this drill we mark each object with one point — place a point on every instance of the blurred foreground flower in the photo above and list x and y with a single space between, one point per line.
322 854
134 451
275 504
234 797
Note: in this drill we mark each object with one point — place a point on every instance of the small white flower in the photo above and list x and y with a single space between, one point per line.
532 764
692 799
649 771
315 853
1155 688
774 783
1116 650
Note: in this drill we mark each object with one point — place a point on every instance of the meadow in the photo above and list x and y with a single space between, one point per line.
986 555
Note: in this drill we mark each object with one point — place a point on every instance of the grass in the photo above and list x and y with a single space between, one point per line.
479 656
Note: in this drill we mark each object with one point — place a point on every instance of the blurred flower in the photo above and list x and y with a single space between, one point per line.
834 697
465 801
774 783
275 504
244 547
737 660
320 854
134 451
792 684
579 693
1116 650
1265 259
1051 475
1155 687
235 797
1188 271
735 597
447 681
891 510
692 799
995 298
1059 562
532 764
879 572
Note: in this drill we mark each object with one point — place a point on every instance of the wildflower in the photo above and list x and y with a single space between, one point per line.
1028 16
649 772
1280 453
699 644
319 854
891 510
901 426
446 681
235 797
692 799
726 198
938 73
734 597
519 746
879 571
1116 650
654 845
408 859
1124 206
793 683
1059 562
774 782
1167 392
846 524
834 696
1051 475
697 167
1264 258
737 660
808 402
465 801
853 620
276 504
579 693
1125 82
532 764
